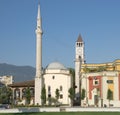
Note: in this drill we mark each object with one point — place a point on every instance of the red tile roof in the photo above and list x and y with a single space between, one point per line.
30 83
79 39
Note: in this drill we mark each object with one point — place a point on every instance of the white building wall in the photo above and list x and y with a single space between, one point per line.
104 89
77 78
6 79
38 89
55 81
116 88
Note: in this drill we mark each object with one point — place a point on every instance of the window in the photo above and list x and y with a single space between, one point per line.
53 77
61 88
49 91
23 92
109 81
61 96
17 93
77 44
49 88
49 95
96 82
32 91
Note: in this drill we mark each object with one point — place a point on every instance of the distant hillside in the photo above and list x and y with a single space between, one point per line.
20 73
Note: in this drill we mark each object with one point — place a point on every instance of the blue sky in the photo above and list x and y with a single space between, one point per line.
98 22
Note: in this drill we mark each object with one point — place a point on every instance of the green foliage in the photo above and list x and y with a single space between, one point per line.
52 100
43 95
71 94
28 95
83 94
86 70
57 94
101 68
5 95
109 95
97 69
72 72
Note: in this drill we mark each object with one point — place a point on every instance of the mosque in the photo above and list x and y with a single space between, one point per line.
93 82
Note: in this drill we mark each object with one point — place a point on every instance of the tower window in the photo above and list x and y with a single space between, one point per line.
61 88
49 88
79 44
61 96
80 58
49 91
53 77
49 95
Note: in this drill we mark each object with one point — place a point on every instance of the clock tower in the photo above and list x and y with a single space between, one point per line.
79 60
79 47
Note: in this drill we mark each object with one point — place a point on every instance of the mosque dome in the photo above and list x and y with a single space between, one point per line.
56 65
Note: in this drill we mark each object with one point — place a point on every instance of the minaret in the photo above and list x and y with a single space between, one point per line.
38 77
79 60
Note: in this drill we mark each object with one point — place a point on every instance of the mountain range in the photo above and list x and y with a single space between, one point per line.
19 73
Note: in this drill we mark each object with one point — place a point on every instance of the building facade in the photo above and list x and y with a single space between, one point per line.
6 80
58 77
97 84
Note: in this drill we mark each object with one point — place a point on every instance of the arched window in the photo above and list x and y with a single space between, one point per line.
23 92
17 93
61 88
32 91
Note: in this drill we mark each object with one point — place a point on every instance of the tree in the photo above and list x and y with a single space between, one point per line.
86 70
71 95
43 95
28 95
83 94
51 100
101 68
72 72
5 95
109 95
57 94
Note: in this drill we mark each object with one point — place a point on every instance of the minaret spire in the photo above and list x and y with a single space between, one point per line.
39 23
38 77
38 16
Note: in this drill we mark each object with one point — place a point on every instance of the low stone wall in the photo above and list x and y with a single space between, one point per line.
59 109
77 109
